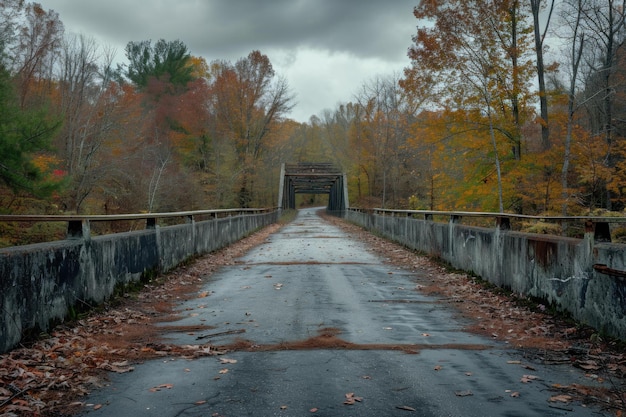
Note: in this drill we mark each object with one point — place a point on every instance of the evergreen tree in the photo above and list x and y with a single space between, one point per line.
165 61
23 133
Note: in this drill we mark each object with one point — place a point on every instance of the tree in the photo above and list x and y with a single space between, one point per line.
536 7
9 15
603 25
165 61
444 49
38 40
576 38
23 134
385 115
248 102
86 99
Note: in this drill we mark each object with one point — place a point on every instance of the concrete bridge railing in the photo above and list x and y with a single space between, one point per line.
41 284
584 277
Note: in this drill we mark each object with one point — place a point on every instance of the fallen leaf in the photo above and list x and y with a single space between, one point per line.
97 406
588 365
468 374
515 394
204 294
200 402
223 371
466 393
352 399
283 407
405 408
437 368
562 398
161 387
226 360
528 378
313 410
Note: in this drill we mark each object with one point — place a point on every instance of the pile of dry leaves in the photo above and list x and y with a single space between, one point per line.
48 377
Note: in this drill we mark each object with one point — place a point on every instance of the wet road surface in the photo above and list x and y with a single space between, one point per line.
329 330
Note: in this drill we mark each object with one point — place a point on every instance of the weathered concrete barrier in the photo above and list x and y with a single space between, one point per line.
580 276
41 283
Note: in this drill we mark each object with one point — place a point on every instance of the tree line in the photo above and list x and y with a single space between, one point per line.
505 105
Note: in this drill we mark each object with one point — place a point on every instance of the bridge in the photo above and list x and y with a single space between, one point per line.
307 323
310 314
313 178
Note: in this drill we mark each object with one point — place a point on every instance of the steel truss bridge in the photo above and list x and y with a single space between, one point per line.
313 178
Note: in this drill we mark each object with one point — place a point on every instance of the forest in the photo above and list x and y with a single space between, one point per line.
504 106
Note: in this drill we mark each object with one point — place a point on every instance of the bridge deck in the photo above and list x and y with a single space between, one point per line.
311 321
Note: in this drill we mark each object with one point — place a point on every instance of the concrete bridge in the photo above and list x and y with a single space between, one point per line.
315 324
43 283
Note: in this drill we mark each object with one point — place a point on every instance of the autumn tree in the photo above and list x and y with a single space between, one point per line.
38 41
23 135
603 24
572 17
248 101
86 97
540 33
476 57
164 74
382 129
336 126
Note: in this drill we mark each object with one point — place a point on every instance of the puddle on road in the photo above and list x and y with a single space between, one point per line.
404 301
328 339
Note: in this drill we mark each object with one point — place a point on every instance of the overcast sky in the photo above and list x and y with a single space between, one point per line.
326 49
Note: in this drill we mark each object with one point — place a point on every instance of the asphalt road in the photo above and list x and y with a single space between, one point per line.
333 332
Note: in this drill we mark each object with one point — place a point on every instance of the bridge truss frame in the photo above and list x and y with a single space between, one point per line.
313 178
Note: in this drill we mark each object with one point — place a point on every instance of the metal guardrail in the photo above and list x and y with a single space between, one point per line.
598 225
78 225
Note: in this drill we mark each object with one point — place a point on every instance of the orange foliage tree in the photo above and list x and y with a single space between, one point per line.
248 103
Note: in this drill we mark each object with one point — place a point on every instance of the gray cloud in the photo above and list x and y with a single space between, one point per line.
365 28
369 31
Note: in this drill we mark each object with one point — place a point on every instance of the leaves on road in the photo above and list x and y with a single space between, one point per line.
529 378
161 387
517 320
562 398
46 377
352 399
